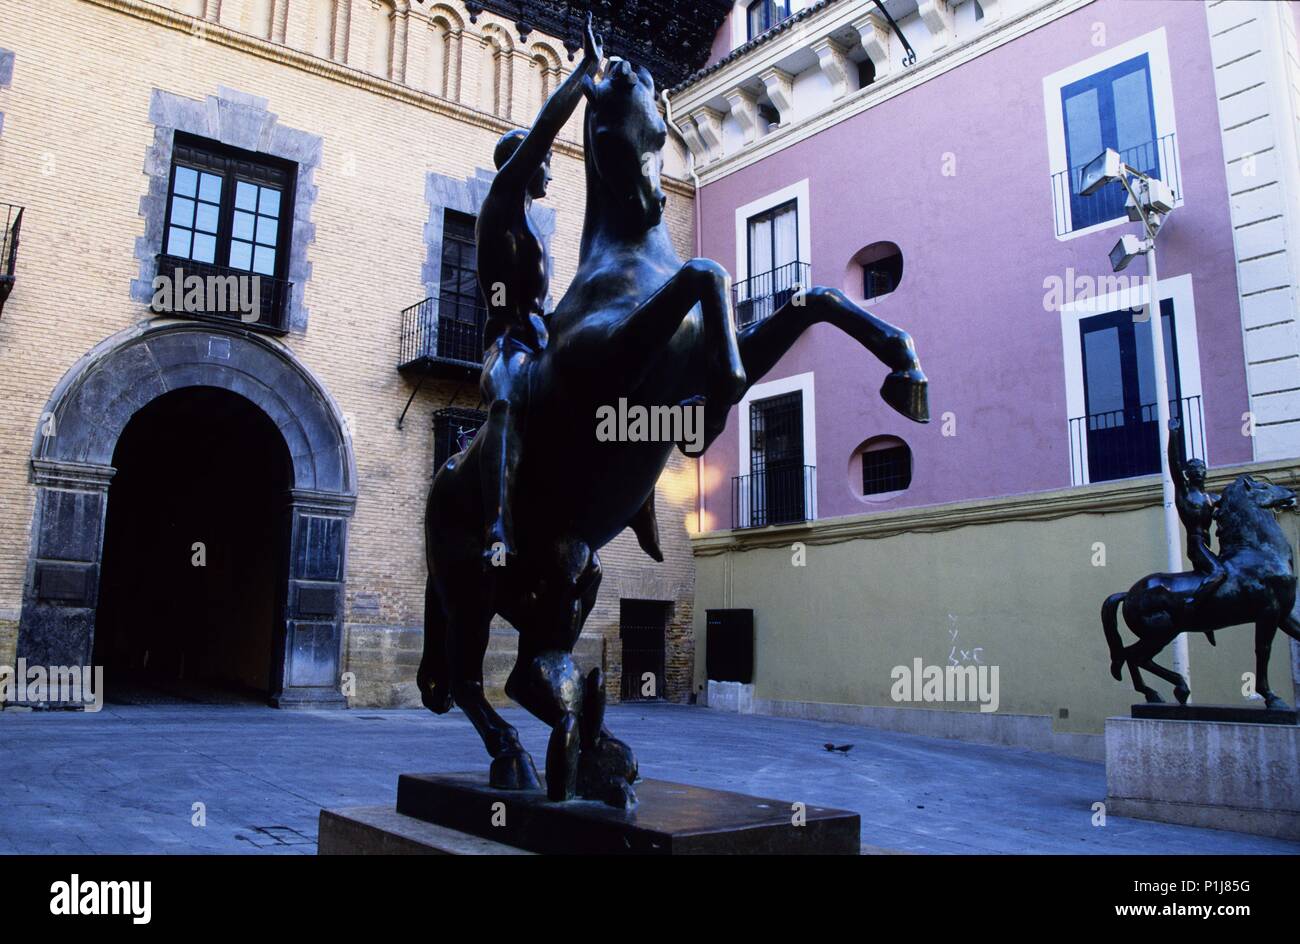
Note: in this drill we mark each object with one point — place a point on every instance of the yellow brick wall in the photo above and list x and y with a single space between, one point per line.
72 150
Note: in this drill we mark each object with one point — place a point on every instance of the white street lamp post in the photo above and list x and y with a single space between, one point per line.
1150 206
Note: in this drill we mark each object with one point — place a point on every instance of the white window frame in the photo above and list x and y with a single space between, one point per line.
798 192
803 383
1156 47
1178 290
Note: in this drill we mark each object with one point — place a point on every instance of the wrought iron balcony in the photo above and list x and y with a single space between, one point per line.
13 222
222 294
779 494
454 428
442 344
758 296
1120 444
1075 211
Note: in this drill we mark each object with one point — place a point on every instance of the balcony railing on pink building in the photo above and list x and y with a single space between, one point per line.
780 494
1075 212
758 296
1120 444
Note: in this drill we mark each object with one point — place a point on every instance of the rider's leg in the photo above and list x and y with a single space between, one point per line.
503 381
1204 561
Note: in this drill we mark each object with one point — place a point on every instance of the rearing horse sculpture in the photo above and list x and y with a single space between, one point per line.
637 323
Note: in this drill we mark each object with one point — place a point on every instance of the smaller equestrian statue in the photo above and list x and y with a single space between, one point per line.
1251 580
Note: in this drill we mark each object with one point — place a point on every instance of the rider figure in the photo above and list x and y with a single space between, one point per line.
1196 509
514 280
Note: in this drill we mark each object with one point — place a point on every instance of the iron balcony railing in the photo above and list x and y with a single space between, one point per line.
454 428
1075 211
428 336
221 294
779 494
1120 444
758 296
13 222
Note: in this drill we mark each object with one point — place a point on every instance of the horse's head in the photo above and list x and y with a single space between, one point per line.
625 137
1260 493
1245 513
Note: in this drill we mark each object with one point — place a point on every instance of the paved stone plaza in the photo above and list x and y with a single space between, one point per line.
125 780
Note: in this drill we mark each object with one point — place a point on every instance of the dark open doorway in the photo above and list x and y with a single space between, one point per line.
195 544
643 626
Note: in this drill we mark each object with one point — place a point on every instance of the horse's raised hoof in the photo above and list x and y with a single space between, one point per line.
514 771
606 772
1117 669
1182 693
906 392
562 759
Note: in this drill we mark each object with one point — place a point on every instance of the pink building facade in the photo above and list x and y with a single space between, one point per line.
943 189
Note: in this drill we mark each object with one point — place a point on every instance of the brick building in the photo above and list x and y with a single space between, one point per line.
199 500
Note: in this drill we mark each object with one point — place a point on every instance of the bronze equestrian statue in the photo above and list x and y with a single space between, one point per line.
514 280
636 323
1255 582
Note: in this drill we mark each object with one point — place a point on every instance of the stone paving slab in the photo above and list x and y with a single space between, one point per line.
125 780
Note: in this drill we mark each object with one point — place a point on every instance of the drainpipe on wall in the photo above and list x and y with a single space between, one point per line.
695 179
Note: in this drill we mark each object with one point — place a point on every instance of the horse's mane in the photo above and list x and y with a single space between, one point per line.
1237 518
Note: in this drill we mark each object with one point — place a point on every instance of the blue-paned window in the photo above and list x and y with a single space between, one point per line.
1113 108
762 15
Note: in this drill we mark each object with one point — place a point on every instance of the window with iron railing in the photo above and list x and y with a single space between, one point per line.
1119 444
1112 108
454 428
447 328
13 222
229 223
759 296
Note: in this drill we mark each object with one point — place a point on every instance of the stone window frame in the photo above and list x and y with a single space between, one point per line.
239 120
6 77
466 195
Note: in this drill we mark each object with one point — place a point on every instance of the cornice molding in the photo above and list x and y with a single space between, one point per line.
347 75
71 476
1108 498
831 20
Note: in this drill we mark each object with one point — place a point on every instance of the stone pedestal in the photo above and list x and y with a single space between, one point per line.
381 830
1220 774
459 813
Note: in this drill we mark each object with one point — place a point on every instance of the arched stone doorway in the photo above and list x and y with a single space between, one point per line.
195 540
154 371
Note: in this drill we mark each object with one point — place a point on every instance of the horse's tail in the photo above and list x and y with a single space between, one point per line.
1110 626
434 677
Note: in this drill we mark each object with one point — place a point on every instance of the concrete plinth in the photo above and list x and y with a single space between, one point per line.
381 830
1217 774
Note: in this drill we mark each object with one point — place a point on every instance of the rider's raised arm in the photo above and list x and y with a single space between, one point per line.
1176 457
521 166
